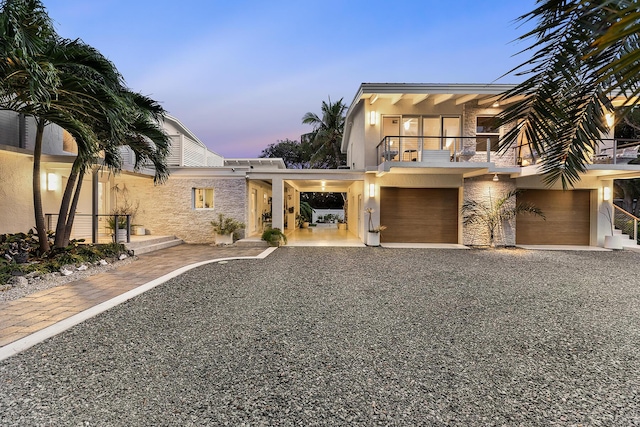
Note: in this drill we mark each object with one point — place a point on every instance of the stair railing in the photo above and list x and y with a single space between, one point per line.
626 222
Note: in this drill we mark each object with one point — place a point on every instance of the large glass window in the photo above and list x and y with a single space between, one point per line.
487 128
418 133
203 198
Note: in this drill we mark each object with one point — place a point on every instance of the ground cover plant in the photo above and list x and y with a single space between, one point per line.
19 255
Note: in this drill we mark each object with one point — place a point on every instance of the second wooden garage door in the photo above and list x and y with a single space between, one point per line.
419 215
567 222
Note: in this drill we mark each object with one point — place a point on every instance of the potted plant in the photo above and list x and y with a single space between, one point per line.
612 241
122 211
342 225
374 232
306 213
119 229
224 227
274 236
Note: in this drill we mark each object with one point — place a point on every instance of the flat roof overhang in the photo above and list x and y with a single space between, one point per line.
466 170
311 180
610 171
606 171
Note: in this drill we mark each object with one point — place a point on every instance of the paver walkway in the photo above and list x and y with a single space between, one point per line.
37 311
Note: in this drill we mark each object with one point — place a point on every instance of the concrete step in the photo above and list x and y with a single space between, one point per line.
140 241
140 248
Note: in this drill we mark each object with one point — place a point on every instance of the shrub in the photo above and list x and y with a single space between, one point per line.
226 225
274 236
13 246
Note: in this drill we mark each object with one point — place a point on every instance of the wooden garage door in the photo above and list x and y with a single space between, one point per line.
567 222
419 215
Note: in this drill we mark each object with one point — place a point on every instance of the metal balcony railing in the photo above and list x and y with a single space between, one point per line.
435 149
616 151
475 149
103 231
626 222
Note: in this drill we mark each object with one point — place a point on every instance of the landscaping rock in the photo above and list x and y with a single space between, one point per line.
18 281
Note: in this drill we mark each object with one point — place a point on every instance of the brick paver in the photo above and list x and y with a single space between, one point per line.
34 312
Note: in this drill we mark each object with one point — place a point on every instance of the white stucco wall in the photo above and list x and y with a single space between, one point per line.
16 209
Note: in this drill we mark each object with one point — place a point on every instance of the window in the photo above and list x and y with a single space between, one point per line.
203 198
486 127
439 132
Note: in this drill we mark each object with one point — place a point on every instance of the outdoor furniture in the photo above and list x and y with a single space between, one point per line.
389 155
410 156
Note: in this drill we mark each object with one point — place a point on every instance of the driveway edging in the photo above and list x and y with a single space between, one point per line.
22 344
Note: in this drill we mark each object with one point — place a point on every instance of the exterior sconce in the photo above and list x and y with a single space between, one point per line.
52 182
495 178
606 193
609 118
372 190
372 117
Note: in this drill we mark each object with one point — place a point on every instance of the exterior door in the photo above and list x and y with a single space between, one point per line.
253 215
419 215
567 218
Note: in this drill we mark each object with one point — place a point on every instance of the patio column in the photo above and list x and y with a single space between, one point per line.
94 206
277 203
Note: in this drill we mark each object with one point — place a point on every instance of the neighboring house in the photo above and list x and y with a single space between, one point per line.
415 152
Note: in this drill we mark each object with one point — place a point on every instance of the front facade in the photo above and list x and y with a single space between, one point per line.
425 148
415 153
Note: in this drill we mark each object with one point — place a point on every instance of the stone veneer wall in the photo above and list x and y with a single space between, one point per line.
167 209
483 190
471 111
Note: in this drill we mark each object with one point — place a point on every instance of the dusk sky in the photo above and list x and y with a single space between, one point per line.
241 74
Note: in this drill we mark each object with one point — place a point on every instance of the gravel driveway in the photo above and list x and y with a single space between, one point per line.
352 336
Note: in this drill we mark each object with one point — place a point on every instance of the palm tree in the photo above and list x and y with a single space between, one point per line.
495 214
143 135
583 51
30 83
71 84
326 136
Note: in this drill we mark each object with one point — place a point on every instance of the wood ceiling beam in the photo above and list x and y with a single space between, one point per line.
419 98
466 98
439 99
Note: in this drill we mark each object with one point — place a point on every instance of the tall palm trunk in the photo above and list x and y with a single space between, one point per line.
37 190
72 212
64 207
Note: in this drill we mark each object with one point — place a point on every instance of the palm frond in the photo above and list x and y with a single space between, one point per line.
580 52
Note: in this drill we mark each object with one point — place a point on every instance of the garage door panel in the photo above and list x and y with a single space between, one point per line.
419 215
567 218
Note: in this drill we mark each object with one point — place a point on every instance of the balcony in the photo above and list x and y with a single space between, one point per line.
620 151
437 149
446 150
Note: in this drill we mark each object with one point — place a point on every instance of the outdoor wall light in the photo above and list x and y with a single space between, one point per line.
606 193
52 181
372 117
610 119
372 190
495 178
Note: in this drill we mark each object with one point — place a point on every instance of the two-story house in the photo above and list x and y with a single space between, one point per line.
424 148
